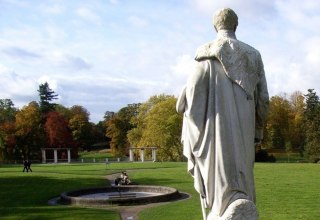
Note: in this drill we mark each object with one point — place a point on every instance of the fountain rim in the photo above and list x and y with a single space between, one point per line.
167 194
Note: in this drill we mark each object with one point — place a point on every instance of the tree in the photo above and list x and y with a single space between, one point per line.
8 147
163 127
138 122
64 111
81 127
7 129
297 133
118 127
312 125
158 124
7 110
46 95
277 124
58 133
108 115
29 133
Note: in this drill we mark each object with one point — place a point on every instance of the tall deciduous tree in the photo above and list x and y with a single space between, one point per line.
118 127
7 110
81 127
139 121
29 133
163 129
7 129
58 133
297 133
277 124
8 147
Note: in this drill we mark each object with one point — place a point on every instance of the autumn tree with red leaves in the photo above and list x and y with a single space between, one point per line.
58 132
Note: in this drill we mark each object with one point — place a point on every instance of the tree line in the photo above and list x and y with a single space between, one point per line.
293 125
44 124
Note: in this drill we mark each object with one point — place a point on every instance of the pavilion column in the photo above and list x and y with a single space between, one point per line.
55 154
154 154
131 155
44 159
142 154
69 156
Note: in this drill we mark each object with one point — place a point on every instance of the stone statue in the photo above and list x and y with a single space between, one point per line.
224 103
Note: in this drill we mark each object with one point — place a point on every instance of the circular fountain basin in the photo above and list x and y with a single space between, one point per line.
120 195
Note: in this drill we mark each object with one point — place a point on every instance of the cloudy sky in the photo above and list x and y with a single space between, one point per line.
105 54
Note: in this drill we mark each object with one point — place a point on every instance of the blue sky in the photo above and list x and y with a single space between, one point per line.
105 54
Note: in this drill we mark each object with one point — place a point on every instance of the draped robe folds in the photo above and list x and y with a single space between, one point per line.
224 109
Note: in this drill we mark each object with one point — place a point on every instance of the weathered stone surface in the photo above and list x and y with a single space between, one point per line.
224 105
241 209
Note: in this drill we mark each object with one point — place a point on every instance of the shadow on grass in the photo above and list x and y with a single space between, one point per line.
32 190
26 197
57 212
158 181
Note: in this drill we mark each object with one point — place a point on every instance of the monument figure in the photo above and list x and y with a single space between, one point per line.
225 103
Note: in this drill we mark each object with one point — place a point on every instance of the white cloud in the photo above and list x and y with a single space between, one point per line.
248 8
88 15
138 21
53 9
60 59
20 53
184 66
114 2
108 65
16 87
181 71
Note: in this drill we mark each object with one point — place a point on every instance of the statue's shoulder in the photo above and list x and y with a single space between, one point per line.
248 48
206 51
215 48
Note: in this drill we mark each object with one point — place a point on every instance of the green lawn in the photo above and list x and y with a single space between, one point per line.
284 191
94 154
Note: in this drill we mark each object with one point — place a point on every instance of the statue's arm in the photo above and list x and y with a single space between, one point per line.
262 103
196 99
181 105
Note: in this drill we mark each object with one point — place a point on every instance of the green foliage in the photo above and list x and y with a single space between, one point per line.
7 118
118 127
46 96
163 129
285 125
80 126
158 124
29 133
297 133
138 122
23 132
8 147
278 121
312 125
7 110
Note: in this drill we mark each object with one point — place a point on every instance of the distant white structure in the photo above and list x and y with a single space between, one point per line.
55 154
142 153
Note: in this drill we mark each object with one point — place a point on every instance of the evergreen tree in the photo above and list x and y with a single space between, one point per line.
46 96
312 124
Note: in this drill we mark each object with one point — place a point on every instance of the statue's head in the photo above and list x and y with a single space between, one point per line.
225 19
